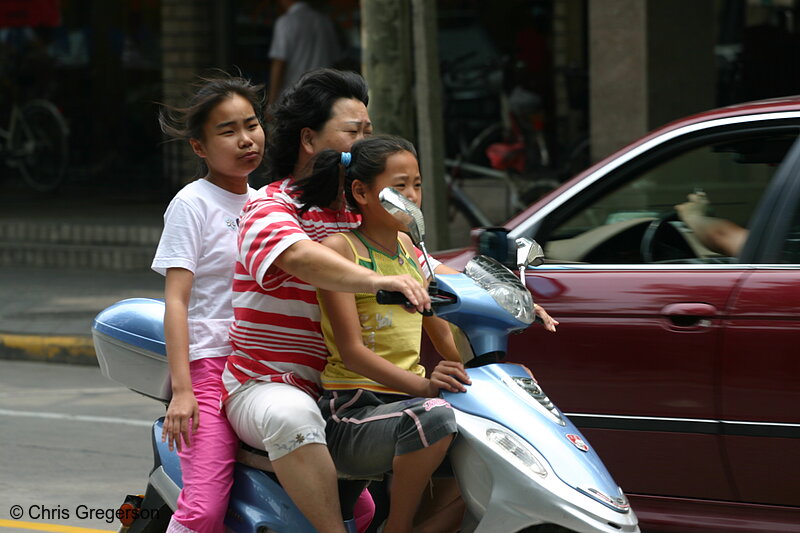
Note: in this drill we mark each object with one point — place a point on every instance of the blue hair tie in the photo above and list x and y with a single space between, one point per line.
346 157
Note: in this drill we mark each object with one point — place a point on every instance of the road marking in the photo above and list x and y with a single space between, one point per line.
59 348
16 524
78 418
82 391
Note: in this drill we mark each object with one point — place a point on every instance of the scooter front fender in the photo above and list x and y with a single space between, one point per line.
501 495
561 479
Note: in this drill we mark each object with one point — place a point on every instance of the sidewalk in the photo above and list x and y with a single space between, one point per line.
46 314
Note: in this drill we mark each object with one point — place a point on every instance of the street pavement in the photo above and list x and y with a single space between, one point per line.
72 445
46 313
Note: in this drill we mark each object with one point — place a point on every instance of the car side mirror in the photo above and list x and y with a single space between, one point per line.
492 242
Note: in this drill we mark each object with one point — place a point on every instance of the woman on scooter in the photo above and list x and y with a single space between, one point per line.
383 413
196 255
272 378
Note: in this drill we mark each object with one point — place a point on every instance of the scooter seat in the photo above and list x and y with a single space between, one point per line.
349 489
254 458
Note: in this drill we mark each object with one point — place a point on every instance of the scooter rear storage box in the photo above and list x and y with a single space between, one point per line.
129 341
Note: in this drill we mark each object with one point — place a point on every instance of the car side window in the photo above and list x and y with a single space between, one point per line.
692 204
791 246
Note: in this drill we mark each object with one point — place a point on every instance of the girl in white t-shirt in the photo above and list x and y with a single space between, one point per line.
197 253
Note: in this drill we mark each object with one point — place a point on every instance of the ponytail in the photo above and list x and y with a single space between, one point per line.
330 168
321 186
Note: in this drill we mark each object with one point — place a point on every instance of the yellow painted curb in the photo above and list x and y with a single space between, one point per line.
57 349
34 526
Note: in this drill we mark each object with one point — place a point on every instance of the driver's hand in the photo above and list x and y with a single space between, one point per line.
696 206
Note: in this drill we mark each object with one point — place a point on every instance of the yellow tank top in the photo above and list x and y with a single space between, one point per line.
387 330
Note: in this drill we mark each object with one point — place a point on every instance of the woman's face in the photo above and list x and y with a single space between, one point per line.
233 140
349 123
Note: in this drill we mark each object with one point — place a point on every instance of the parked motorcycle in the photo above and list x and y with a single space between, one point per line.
521 465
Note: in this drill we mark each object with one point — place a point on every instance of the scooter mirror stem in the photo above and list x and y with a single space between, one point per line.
529 252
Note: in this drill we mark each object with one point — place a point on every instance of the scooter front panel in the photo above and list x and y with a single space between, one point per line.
501 495
490 396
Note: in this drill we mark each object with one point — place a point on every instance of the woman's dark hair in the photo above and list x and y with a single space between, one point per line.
307 104
368 160
184 123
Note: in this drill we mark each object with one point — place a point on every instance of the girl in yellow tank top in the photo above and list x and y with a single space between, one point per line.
383 413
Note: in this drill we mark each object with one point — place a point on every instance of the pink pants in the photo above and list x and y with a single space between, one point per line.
207 466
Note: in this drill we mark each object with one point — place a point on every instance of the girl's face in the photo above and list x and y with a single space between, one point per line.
401 167
233 142
349 123
409 186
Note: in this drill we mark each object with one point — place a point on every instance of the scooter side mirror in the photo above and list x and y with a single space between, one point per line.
410 216
529 253
404 211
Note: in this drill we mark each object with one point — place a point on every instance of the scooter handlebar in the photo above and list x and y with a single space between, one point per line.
391 298
398 298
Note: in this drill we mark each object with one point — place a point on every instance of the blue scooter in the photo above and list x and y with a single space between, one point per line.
521 465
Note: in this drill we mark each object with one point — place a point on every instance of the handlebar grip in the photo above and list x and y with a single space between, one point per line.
397 298
391 298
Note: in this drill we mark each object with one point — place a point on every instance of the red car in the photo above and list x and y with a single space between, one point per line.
677 357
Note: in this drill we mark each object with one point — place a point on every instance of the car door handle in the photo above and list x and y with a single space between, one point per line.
690 315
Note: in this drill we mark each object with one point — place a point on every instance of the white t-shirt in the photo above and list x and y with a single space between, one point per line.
200 234
305 39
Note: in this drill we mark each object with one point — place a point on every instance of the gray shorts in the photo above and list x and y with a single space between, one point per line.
365 430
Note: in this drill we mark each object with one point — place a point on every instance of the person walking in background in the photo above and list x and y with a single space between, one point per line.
303 39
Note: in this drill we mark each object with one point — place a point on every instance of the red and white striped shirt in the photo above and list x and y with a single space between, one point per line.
276 333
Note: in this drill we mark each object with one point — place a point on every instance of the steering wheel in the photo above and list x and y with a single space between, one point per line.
659 238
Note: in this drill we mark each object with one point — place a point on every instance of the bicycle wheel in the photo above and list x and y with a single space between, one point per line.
475 151
45 146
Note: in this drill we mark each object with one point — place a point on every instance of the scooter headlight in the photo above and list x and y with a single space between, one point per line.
503 286
515 450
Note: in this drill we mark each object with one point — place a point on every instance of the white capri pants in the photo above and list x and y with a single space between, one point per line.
275 417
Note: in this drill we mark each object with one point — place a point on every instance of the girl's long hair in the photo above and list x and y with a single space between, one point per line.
320 187
184 123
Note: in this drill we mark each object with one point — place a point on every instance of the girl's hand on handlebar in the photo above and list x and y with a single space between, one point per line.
413 291
182 408
450 376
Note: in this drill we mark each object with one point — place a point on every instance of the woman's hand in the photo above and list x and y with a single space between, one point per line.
447 375
182 407
413 291
548 322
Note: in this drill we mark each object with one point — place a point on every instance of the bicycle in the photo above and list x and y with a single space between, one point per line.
35 143
514 151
